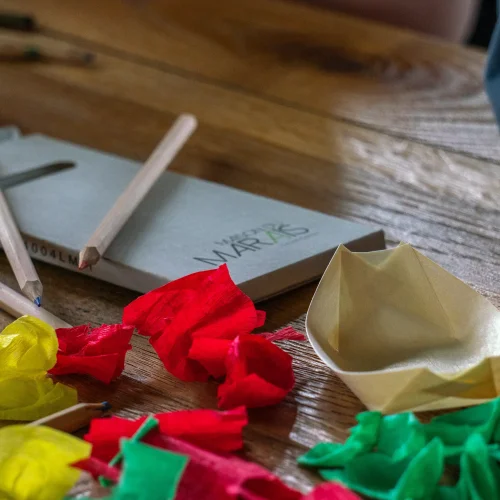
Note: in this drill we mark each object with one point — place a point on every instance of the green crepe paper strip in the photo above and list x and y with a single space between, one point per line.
149 473
382 478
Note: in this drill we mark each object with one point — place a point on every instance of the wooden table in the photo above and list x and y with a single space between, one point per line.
331 113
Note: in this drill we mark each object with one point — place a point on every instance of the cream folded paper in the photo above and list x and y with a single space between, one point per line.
403 333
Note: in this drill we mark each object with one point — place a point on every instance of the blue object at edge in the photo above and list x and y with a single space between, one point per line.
492 76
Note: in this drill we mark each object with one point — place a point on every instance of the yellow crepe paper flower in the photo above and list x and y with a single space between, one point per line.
34 462
28 348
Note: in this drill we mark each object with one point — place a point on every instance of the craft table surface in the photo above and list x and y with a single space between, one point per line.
335 114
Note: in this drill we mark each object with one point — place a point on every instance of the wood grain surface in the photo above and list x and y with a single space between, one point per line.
312 60
334 114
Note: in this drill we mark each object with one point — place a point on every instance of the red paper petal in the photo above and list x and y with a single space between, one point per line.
99 352
214 430
105 434
211 354
202 305
331 491
209 429
152 311
287 333
259 373
261 319
222 477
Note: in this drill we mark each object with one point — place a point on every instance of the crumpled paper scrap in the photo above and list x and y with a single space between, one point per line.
35 462
185 316
258 374
98 352
209 429
28 348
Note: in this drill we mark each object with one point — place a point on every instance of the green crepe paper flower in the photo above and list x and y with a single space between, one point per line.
397 436
363 438
453 429
389 457
479 474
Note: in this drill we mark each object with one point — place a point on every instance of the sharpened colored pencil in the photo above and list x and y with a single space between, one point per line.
137 190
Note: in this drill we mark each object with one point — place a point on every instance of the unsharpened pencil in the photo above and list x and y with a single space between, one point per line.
17 305
17 254
74 418
138 188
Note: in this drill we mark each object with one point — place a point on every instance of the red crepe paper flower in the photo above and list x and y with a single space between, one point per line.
213 430
331 491
191 322
98 352
258 374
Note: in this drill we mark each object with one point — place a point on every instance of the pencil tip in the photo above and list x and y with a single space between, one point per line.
106 406
83 265
38 301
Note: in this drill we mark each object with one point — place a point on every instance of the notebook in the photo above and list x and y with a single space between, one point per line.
184 225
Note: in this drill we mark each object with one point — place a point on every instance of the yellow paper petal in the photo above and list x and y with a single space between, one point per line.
28 345
28 348
31 398
34 462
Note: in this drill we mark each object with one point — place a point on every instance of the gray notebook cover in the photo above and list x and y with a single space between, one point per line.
184 225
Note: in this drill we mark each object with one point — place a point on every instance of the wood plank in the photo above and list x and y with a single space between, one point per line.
331 64
359 168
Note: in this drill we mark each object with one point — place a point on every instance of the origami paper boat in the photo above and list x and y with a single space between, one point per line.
403 333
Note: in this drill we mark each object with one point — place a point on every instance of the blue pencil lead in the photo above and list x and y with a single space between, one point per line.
38 301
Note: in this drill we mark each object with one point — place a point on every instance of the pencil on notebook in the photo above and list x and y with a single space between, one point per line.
17 254
17 305
136 191
74 418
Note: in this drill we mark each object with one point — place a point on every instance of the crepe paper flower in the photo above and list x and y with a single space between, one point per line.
455 428
28 348
331 491
363 438
98 352
378 476
209 429
258 374
204 305
35 462
479 473
287 333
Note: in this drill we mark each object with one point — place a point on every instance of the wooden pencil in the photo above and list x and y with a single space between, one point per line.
138 188
17 254
17 305
74 418
32 53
